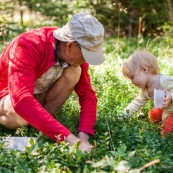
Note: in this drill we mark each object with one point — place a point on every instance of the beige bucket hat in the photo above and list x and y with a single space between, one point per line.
88 32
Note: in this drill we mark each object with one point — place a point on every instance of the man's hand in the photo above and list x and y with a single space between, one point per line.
83 136
84 146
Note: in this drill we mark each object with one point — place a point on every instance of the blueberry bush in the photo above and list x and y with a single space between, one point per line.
131 145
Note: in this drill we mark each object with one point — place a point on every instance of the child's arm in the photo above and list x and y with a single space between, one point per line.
166 83
168 98
135 106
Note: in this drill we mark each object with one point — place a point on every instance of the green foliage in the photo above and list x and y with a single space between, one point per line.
123 18
56 12
5 24
119 146
125 15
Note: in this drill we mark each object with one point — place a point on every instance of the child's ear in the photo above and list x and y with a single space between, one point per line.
145 69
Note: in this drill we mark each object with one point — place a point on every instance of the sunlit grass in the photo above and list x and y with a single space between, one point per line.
135 141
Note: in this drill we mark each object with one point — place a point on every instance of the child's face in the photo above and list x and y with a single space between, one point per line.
138 78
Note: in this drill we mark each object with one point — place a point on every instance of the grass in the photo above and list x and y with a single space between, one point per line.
120 146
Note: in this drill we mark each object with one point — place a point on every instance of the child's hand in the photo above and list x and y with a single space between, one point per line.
168 99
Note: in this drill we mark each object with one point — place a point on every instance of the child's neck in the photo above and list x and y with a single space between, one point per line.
153 83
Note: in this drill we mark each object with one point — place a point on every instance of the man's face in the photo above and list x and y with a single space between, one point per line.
73 54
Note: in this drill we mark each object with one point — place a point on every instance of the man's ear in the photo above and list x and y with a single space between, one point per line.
144 68
69 46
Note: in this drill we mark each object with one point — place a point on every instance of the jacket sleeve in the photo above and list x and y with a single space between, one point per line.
139 101
22 66
88 102
166 83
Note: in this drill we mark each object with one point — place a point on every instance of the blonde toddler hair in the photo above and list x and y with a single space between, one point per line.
139 58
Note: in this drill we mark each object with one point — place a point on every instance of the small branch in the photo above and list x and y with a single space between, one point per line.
149 164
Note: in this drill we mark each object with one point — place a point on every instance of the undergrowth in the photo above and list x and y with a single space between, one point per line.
119 146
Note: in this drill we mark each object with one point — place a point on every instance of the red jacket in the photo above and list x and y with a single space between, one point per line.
26 58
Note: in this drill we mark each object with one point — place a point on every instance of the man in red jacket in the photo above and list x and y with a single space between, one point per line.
39 70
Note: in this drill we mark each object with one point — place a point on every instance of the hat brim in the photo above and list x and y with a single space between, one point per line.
57 34
93 57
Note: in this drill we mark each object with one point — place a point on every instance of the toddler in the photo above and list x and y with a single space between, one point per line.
143 71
